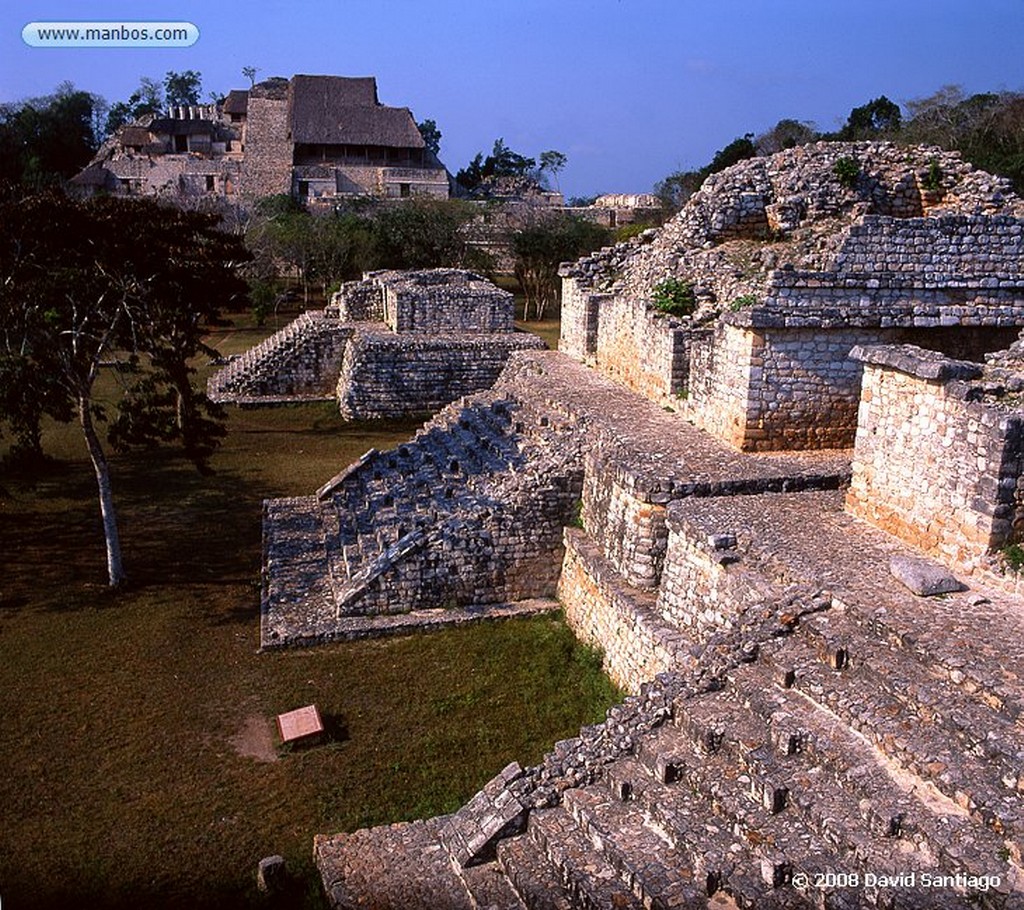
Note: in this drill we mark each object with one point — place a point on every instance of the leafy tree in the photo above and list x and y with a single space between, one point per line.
553 163
431 135
250 73
675 189
147 99
422 233
786 134
879 117
182 89
502 162
49 139
541 247
135 293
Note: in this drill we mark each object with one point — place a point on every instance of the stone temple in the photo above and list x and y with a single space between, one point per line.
789 519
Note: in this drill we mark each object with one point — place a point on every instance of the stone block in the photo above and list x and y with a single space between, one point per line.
271 874
923 577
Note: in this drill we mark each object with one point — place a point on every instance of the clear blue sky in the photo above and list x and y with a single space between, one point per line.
630 90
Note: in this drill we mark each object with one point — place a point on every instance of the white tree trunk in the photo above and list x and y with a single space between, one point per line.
115 568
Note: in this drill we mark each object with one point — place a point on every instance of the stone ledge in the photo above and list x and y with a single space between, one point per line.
915 361
353 628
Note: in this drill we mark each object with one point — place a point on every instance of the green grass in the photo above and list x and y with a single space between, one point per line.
121 785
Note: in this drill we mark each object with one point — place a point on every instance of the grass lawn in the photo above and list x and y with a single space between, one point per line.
138 768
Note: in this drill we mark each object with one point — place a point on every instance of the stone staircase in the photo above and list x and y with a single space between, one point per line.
302 360
468 512
829 762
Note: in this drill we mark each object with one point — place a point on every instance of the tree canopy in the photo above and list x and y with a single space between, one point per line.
85 285
49 139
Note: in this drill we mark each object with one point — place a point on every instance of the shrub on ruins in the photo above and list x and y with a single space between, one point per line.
111 294
675 297
541 246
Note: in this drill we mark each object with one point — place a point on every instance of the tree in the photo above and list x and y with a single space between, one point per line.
676 188
431 136
250 73
87 284
541 247
786 134
49 139
502 162
553 163
422 233
183 89
147 99
879 117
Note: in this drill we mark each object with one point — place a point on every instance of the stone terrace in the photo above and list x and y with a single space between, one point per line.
855 729
469 514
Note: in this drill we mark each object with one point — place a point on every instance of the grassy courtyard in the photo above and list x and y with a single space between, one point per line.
138 764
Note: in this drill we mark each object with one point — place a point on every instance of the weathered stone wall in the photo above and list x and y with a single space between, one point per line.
644 350
444 301
579 317
267 169
705 587
624 522
930 466
388 375
622 622
721 363
359 301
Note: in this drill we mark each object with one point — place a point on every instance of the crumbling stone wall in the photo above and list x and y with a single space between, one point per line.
387 375
932 466
790 269
267 170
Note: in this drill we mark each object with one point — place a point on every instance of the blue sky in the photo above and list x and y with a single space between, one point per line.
629 90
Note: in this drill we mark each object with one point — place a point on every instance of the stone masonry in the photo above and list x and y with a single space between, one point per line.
393 344
803 727
790 268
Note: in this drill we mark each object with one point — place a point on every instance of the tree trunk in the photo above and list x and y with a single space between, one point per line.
115 568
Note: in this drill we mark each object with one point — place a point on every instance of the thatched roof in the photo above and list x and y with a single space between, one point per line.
336 110
237 101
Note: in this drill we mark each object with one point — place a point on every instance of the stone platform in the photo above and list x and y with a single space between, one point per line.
468 515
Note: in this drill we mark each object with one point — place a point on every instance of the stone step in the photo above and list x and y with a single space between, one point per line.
656 873
928 752
928 691
840 784
588 879
723 850
792 820
530 874
489 888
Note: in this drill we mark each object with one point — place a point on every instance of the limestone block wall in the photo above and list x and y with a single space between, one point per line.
930 466
627 526
722 361
644 351
359 301
268 152
803 389
387 375
441 307
705 587
581 310
605 613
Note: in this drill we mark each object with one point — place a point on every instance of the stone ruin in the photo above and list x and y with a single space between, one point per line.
390 345
743 509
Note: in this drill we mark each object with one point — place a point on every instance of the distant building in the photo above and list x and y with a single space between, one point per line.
314 137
